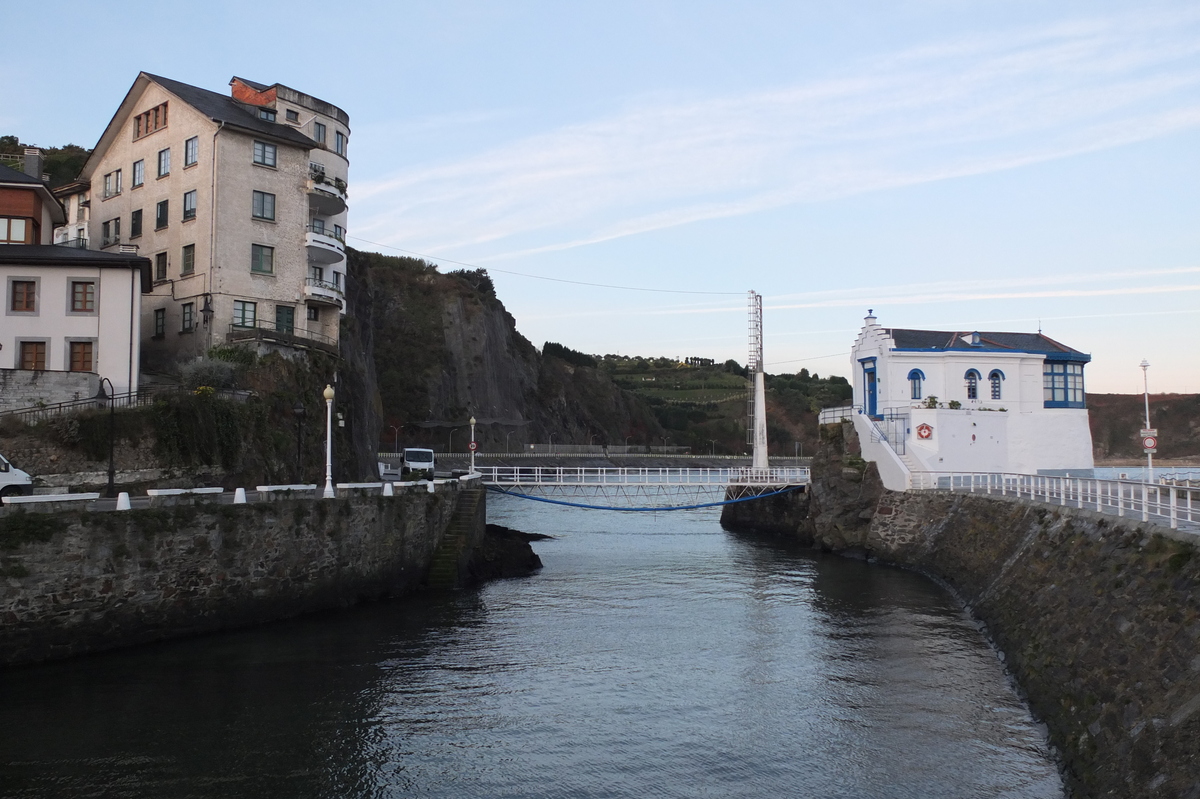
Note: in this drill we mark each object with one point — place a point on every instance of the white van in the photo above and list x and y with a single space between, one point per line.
13 481
417 464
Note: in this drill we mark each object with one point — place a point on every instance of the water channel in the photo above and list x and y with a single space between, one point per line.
656 655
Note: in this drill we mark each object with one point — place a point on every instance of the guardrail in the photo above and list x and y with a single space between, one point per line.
835 415
528 476
1175 506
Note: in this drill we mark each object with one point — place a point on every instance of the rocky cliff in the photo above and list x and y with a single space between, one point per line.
445 349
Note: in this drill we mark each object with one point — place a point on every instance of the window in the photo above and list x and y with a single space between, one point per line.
161 212
285 318
81 356
316 273
24 296
83 297
337 280
245 314
139 173
265 154
972 378
995 378
339 143
339 233
319 132
135 224
318 226
263 206
189 310
110 232
33 355
149 121
160 322
267 113
293 116
189 260
160 266
1062 385
915 377
189 205
12 231
164 162
191 152
314 313
262 259
112 184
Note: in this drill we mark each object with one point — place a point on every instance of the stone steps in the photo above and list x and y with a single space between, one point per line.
443 574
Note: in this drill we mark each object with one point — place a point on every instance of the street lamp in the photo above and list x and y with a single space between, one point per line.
713 443
111 399
551 443
506 436
473 445
328 394
1146 388
396 441
450 443
299 412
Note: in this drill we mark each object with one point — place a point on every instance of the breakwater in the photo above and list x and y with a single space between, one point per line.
1097 618
74 582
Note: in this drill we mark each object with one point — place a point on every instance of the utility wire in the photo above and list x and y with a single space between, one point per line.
800 360
543 277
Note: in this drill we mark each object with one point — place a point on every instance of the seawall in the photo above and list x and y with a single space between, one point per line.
1096 617
76 582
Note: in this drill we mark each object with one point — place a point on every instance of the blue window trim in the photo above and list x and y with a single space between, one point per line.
1082 386
917 373
972 377
1079 357
996 372
995 380
916 381
970 372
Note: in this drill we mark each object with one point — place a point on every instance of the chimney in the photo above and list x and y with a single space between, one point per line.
33 162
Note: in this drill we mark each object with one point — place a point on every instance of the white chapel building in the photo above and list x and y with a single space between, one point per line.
939 401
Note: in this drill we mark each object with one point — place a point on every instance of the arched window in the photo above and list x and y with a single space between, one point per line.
995 378
915 377
972 384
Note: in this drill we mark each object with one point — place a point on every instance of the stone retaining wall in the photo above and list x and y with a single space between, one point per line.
75 582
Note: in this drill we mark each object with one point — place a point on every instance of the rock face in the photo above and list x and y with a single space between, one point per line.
1097 617
504 552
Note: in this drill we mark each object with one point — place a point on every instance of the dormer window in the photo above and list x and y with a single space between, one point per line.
267 114
975 340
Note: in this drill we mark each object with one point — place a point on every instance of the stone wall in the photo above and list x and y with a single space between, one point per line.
25 388
77 582
1096 617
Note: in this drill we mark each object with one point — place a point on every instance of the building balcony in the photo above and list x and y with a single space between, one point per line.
320 292
323 246
326 195
270 333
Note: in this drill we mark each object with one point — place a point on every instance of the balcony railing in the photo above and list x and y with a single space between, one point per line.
76 243
287 335
109 241
312 282
321 230
319 176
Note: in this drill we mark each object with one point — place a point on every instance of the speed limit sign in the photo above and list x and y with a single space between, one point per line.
472 446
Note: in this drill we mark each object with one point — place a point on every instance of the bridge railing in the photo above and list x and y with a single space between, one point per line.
1173 505
584 476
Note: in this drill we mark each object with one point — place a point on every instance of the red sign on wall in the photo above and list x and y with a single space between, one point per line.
924 432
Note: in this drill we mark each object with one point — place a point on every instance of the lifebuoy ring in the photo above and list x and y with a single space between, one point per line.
924 432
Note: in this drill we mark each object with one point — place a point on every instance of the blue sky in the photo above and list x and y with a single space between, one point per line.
952 165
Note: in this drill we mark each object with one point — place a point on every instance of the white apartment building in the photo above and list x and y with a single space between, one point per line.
239 202
932 400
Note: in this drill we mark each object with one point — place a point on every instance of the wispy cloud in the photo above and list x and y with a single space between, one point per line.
954 109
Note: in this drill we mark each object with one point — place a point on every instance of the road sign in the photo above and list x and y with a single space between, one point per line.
472 446
1150 444
1148 432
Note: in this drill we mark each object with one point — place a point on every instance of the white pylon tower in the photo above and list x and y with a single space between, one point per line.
756 423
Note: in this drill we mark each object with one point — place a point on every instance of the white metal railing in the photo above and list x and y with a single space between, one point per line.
1175 506
524 476
835 415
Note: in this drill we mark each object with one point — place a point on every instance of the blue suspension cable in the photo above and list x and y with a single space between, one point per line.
499 490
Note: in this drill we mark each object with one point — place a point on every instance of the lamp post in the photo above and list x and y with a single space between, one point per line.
713 444
396 440
298 412
473 445
506 436
111 399
551 443
450 443
1146 389
328 394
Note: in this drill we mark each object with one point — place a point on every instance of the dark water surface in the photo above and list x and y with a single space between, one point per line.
654 656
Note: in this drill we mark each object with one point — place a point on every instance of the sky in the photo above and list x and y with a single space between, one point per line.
627 171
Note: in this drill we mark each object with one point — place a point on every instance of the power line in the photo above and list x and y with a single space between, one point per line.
801 360
543 277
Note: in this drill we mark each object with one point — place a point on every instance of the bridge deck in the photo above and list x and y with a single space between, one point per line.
534 476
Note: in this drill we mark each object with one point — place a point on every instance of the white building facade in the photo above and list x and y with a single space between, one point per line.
930 400
239 202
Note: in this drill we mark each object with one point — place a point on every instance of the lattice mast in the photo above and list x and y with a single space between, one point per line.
756 411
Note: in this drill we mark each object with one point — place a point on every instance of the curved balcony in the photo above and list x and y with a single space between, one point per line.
326 195
323 246
319 292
